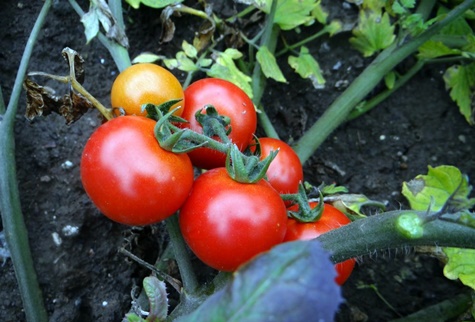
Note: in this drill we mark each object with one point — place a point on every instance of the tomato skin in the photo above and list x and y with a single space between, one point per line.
331 218
229 100
145 83
129 177
227 223
285 172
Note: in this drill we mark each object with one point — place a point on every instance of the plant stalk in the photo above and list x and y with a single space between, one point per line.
14 226
379 232
338 111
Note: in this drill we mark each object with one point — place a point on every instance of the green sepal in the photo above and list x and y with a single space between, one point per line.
213 123
157 111
247 168
304 213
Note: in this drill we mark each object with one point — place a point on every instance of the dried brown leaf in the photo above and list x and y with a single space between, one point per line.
72 55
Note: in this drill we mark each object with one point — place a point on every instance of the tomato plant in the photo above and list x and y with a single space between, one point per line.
129 177
230 101
145 83
285 172
330 219
226 223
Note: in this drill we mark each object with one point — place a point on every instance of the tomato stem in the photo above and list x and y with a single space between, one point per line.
16 233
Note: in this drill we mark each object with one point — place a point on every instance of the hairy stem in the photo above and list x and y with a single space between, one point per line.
14 226
379 232
338 111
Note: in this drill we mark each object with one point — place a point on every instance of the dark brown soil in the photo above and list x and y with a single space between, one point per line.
86 278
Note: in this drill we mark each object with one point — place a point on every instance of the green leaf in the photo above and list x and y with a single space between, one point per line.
225 68
295 281
373 33
91 25
307 67
260 4
152 3
292 13
434 189
156 291
460 265
189 49
184 63
320 13
269 65
433 49
147 58
460 79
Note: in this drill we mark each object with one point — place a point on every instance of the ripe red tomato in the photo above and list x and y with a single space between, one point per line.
226 223
129 177
285 172
229 100
331 218
145 83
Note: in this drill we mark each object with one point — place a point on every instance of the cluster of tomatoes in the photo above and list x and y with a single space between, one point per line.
134 181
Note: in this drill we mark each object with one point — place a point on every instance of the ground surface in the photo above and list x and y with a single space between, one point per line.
86 278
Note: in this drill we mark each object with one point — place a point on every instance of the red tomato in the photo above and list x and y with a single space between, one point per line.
129 177
229 100
226 223
331 218
285 172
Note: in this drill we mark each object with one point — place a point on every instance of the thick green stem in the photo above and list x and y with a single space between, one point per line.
338 111
379 232
14 226
182 257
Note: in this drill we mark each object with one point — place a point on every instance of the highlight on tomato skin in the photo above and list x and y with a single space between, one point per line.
331 218
229 100
142 84
227 223
129 177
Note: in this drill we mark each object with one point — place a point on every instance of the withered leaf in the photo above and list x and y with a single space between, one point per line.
168 27
41 101
72 55
204 35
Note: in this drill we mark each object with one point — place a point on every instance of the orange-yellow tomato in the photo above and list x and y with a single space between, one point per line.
145 83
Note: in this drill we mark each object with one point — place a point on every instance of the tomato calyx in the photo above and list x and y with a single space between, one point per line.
241 167
304 213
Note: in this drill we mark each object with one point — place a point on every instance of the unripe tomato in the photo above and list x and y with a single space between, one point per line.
331 218
229 100
145 83
129 177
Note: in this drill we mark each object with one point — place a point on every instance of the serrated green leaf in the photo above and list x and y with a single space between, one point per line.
459 26
292 13
225 68
184 63
269 66
156 291
152 3
460 265
320 13
433 49
171 63
373 33
307 67
299 271
147 58
434 189
460 79
189 49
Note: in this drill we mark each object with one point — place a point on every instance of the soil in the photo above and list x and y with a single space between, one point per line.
83 275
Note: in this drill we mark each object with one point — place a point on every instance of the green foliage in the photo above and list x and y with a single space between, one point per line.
373 33
307 67
152 3
434 189
460 265
292 13
300 271
460 79
269 66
